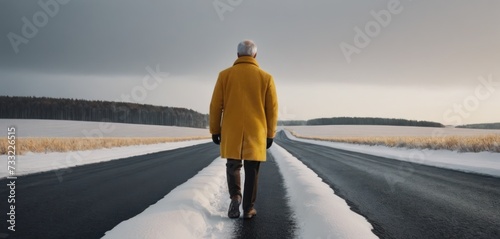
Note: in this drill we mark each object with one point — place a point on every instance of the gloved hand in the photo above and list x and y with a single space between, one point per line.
269 142
216 138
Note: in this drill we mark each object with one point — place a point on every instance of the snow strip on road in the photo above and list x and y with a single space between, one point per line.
198 207
319 213
194 209
485 163
40 162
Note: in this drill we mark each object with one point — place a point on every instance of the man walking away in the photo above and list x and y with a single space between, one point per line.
243 119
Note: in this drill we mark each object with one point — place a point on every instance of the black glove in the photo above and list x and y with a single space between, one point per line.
269 142
216 138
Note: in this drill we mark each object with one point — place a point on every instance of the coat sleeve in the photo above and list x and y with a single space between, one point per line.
216 108
271 109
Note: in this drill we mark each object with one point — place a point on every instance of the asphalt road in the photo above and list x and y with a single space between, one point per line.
274 216
400 199
92 199
405 200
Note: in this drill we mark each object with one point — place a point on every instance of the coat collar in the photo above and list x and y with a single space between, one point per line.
246 60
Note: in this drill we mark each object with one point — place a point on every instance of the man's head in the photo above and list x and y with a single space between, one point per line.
247 48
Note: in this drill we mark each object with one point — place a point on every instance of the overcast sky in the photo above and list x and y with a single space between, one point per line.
419 60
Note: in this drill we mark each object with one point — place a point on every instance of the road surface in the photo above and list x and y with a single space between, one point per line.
274 217
400 199
94 198
405 200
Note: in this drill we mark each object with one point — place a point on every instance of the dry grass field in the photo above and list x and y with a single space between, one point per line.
461 143
49 144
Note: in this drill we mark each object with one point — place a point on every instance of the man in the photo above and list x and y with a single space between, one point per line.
243 119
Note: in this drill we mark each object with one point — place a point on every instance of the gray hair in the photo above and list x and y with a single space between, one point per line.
247 48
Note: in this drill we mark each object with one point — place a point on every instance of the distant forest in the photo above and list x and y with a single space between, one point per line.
362 121
121 112
292 122
481 126
84 110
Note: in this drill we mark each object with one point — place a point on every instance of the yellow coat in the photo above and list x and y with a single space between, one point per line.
244 110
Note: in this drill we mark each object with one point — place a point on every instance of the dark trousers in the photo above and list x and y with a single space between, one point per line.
251 180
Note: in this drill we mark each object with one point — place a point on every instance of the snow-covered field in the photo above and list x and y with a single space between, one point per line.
41 162
66 128
197 208
380 130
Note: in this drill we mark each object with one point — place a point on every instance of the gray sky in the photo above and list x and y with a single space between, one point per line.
420 60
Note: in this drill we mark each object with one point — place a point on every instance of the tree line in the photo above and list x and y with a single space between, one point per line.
481 126
86 110
362 121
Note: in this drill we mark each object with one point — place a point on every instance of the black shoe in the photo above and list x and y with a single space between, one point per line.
250 214
234 207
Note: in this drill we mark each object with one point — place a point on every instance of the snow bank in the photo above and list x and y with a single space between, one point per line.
40 162
195 209
319 213
485 163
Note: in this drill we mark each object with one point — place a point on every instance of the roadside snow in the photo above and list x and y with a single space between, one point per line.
195 209
486 163
40 162
319 213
